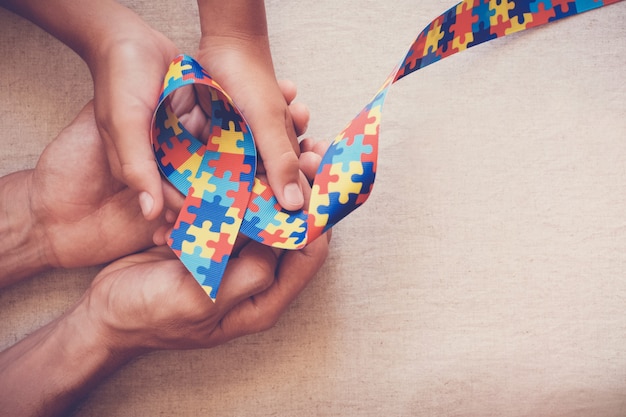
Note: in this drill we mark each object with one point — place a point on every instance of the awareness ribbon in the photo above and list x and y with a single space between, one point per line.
223 195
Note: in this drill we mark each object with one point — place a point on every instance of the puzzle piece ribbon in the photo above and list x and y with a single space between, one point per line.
218 177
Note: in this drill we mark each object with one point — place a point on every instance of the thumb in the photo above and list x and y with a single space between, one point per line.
277 143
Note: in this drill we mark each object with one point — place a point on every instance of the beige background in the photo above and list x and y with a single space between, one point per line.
485 276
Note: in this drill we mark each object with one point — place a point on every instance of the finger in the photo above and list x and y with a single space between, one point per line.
85 115
261 312
161 234
289 90
183 99
271 123
275 142
299 111
240 243
248 274
309 164
174 200
300 115
306 145
184 104
194 122
124 106
296 270
311 145
306 188
321 147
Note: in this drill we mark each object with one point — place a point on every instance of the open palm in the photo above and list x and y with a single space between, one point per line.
150 301
88 216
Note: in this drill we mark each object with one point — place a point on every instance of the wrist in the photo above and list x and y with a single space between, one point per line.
116 332
236 27
123 31
238 59
79 25
87 340
71 357
232 18
22 239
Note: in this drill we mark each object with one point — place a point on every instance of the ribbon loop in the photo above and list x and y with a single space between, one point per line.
218 177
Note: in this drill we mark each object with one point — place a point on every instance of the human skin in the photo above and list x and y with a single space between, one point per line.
139 303
112 39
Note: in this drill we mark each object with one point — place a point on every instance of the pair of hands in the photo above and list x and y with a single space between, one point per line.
149 300
71 212
96 195
128 69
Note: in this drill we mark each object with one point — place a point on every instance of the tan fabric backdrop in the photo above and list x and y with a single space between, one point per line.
486 275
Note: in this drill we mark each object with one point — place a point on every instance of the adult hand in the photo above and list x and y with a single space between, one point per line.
150 301
85 215
128 60
143 302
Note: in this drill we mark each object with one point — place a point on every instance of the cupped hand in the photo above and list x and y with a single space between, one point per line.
128 71
86 216
150 301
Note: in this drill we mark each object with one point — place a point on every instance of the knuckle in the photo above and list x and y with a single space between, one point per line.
285 163
265 321
133 173
263 275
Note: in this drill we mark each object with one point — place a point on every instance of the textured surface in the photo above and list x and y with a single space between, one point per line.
494 286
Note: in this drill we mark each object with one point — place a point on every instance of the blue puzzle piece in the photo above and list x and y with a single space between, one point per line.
483 34
534 6
211 276
193 68
519 9
585 5
223 187
430 58
182 181
484 14
446 28
352 153
300 217
180 235
332 154
211 211
248 177
224 114
366 179
336 210
251 227
559 13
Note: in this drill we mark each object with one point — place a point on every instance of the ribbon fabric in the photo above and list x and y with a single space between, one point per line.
224 197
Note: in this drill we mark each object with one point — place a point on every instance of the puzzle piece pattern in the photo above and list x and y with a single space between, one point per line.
472 22
218 177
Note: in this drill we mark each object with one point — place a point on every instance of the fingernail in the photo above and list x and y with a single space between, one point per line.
146 202
293 194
